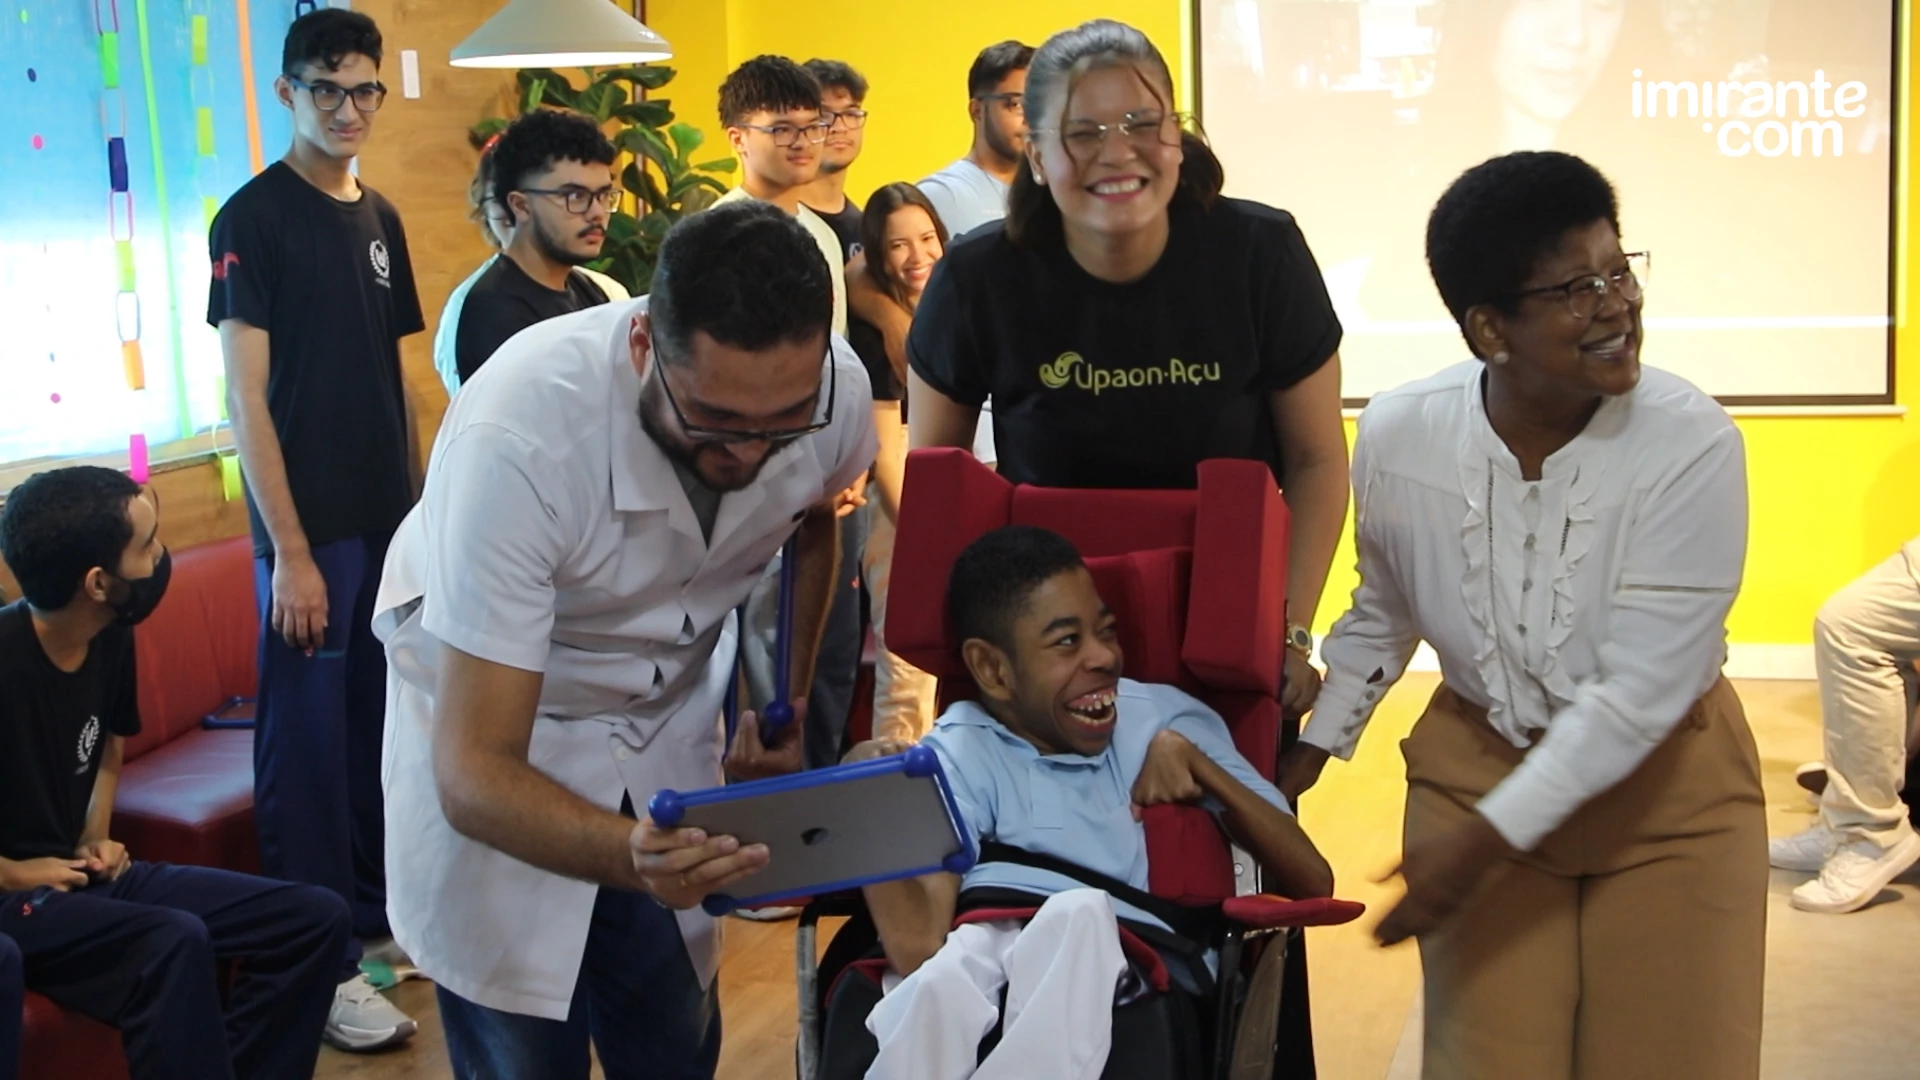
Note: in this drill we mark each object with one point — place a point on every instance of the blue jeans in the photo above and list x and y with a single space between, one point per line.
320 724
638 1001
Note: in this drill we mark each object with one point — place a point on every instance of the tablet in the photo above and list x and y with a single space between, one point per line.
832 829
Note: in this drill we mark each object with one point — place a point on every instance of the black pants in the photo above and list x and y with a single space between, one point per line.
12 1001
141 954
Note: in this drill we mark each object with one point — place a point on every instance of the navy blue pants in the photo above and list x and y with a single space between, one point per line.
316 746
638 1003
13 995
836 667
141 954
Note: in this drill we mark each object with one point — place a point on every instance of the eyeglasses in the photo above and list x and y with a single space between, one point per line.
850 119
1013 103
1143 131
577 199
785 135
329 96
1584 296
734 436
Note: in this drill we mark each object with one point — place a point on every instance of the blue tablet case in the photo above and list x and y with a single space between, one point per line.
833 829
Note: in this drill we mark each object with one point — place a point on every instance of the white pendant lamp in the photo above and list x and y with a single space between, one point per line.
560 34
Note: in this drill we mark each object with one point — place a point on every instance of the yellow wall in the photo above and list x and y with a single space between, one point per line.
1830 496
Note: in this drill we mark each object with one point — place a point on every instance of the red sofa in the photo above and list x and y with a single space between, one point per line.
186 792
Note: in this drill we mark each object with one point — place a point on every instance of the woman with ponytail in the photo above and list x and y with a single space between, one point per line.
1129 322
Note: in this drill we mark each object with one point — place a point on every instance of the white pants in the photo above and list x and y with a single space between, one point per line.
1060 974
903 695
1865 640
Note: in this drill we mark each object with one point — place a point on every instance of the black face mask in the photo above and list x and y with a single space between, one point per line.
143 594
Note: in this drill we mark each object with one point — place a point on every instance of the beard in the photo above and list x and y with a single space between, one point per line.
552 248
1008 146
709 462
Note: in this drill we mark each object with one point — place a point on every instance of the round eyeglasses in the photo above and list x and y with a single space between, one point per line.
1587 294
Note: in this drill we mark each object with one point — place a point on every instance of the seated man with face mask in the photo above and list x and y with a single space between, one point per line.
134 945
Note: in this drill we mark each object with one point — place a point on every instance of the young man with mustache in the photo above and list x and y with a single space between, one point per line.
552 178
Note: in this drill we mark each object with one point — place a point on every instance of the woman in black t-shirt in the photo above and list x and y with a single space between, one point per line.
1128 322
903 237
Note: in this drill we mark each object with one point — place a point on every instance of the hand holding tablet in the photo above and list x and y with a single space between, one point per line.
822 831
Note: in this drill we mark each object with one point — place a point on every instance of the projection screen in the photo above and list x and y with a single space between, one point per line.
1750 141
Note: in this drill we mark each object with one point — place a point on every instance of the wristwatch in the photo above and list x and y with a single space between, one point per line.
1300 641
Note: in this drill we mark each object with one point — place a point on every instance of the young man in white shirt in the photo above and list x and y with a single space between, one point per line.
557 615
770 107
973 190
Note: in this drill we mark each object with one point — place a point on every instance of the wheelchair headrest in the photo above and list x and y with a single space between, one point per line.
1196 578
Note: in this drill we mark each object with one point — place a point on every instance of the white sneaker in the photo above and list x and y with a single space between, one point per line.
1805 851
767 914
1856 873
362 1020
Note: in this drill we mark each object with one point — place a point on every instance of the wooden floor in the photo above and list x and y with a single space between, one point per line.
1835 1007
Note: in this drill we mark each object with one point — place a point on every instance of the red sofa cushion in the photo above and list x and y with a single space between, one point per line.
60 1044
191 802
199 649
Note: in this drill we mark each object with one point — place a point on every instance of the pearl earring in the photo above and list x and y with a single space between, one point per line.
1500 357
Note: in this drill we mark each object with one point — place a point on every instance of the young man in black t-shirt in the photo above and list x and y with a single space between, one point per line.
553 178
132 944
843 95
312 291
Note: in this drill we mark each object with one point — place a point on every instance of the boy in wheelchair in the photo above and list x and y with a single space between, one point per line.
1055 761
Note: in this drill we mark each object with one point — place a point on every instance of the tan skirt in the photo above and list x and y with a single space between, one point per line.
1631 944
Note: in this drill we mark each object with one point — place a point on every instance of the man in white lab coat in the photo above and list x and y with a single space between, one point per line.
556 610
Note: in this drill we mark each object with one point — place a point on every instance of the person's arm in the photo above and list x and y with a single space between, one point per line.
869 302
889 466
936 419
1664 647
100 854
912 916
483 725
1293 867
1194 758
817 572
1370 646
1665 644
299 612
1313 479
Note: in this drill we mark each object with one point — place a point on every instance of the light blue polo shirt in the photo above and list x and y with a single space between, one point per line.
1068 806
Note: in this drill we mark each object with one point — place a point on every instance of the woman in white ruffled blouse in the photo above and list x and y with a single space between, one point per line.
1585 845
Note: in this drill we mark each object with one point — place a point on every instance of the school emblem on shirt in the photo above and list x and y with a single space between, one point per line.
1072 368
89 739
377 254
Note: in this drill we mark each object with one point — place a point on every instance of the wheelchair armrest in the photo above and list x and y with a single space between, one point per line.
1264 912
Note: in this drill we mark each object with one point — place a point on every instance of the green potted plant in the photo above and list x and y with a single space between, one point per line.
661 180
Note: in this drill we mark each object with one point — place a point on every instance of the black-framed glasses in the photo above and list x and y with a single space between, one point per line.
1014 102
785 135
1586 294
578 200
734 436
1142 130
329 96
850 119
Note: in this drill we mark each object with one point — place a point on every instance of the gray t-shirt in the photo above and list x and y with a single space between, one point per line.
966 195
705 500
